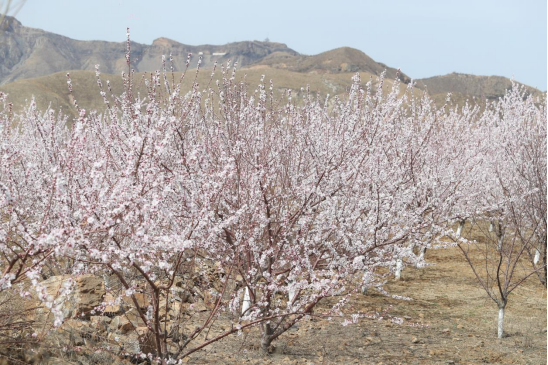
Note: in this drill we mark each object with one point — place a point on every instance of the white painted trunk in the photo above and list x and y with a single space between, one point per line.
459 229
247 301
499 246
365 285
291 294
491 227
399 267
537 257
500 327
420 264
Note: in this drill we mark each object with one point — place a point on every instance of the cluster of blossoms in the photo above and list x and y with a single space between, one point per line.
290 202
505 199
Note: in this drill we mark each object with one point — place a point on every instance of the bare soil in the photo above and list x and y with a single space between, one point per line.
450 320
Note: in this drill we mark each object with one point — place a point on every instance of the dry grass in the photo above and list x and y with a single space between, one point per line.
449 320
52 90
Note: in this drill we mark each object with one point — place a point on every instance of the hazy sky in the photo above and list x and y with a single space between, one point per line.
422 37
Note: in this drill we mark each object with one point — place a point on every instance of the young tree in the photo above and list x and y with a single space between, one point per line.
286 200
29 176
526 152
324 195
510 209
290 203
24 223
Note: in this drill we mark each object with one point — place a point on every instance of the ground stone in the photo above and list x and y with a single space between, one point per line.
100 322
122 324
87 293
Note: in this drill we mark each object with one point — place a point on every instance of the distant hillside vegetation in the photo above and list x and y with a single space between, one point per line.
483 87
343 59
52 90
34 62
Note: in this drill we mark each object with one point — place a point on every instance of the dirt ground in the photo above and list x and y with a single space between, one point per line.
450 320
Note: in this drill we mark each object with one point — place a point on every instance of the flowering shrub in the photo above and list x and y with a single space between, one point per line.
227 193
507 202
322 194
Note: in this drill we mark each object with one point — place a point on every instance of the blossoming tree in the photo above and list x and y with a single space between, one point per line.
508 208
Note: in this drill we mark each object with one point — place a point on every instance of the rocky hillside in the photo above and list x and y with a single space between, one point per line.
28 53
33 63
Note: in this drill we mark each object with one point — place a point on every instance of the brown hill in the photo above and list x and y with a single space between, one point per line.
52 90
343 59
27 53
470 86
30 59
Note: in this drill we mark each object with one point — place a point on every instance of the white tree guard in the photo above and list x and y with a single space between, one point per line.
399 267
247 301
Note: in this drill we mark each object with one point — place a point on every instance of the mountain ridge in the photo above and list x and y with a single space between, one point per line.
489 87
31 54
28 52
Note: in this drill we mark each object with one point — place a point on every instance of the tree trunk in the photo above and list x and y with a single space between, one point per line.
500 242
544 263
421 256
366 282
537 256
500 236
461 226
399 267
266 340
247 301
500 324
291 294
